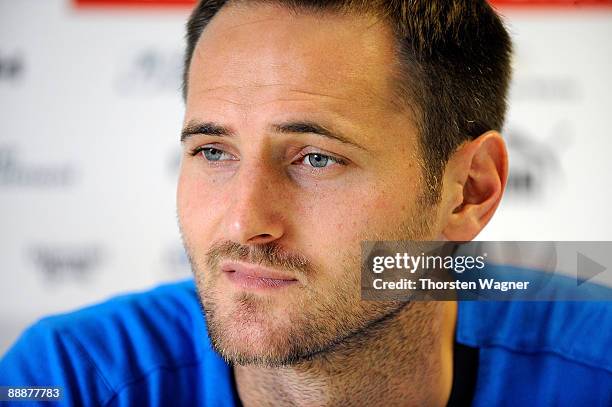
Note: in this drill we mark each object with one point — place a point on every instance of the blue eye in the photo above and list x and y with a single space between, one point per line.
318 160
214 154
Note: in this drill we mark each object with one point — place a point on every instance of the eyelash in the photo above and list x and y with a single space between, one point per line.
201 149
337 160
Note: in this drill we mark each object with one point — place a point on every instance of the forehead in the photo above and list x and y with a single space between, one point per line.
249 54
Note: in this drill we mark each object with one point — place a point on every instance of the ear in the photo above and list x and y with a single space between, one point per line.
474 181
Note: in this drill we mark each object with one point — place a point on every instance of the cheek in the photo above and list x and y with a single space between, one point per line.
333 228
196 203
353 216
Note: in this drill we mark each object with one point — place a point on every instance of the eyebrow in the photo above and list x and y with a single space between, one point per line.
194 128
205 129
306 127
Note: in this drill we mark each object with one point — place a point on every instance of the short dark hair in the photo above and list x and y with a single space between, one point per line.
455 66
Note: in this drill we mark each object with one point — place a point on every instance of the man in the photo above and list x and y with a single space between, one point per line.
312 126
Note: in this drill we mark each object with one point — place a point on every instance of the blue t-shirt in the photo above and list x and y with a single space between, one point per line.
152 348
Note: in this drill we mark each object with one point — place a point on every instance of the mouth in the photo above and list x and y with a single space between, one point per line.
256 278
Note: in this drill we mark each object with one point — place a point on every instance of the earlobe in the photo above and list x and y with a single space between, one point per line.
477 174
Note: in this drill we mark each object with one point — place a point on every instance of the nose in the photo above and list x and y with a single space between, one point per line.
254 214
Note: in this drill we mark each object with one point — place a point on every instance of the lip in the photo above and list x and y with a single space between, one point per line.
254 277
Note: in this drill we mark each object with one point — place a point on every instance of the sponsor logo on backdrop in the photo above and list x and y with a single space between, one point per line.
135 3
535 168
15 172
151 71
11 67
66 262
190 3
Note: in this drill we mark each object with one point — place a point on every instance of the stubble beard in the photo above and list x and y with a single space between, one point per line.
313 321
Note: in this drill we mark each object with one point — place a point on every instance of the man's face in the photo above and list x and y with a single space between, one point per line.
295 153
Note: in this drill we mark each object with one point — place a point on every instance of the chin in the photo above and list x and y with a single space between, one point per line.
247 330
282 330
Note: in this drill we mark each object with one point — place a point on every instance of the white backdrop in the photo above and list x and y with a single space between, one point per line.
90 115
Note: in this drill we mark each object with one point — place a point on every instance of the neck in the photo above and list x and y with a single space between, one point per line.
405 361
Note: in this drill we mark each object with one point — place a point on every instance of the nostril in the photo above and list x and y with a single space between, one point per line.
261 238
